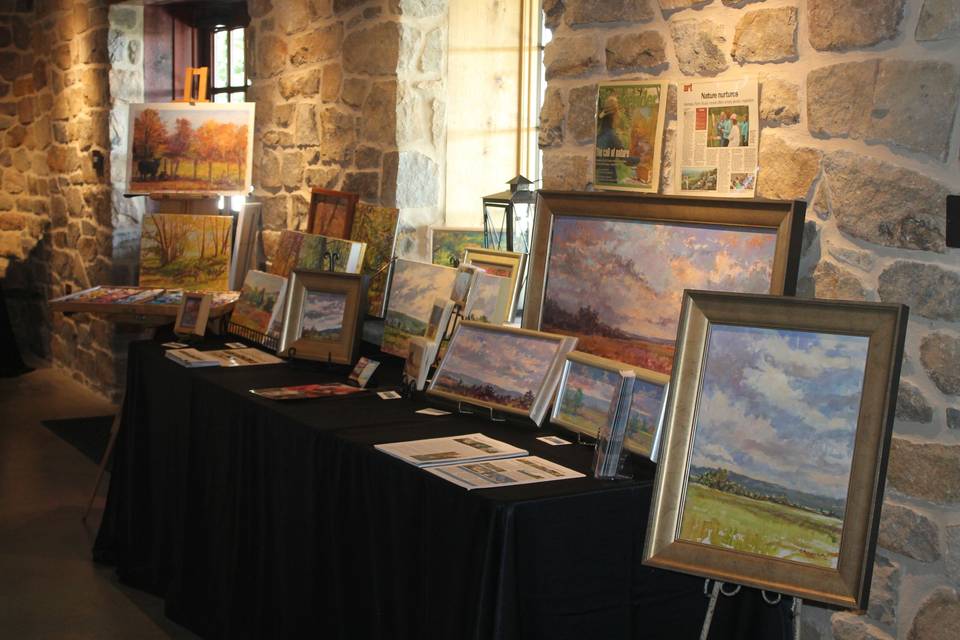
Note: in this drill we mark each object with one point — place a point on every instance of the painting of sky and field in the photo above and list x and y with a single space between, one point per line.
617 284
489 299
496 367
774 441
323 315
413 289
645 409
585 398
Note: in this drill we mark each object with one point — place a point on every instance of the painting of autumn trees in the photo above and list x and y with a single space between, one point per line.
185 251
183 147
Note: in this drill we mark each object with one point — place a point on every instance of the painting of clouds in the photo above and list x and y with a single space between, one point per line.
489 299
646 408
323 315
773 442
414 288
618 284
496 367
586 396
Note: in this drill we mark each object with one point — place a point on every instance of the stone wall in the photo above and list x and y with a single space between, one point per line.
349 96
54 66
858 104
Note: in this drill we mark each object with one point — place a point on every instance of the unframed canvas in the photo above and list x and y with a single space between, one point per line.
414 287
183 147
331 212
186 251
447 244
260 306
377 228
777 431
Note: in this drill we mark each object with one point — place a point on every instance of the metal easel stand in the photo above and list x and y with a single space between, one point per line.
771 599
468 409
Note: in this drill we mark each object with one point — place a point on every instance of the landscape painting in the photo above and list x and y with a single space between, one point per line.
489 299
496 367
585 397
186 251
618 284
646 408
323 315
194 148
414 287
773 442
447 244
321 253
331 213
377 227
260 297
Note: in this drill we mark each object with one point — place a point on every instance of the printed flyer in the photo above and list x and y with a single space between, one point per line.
718 136
629 134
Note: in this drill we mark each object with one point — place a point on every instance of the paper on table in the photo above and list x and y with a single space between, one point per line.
471 447
503 473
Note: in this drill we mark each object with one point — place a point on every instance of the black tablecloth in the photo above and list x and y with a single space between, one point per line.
260 519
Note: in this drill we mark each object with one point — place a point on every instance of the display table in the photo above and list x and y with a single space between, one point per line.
260 519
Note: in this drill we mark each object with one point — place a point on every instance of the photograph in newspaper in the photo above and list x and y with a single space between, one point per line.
718 137
629 133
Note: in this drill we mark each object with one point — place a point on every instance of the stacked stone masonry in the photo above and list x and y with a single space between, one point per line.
859 107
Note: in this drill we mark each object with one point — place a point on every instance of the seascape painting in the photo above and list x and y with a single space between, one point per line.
496 367
447 244
377 227
186 251
773 442
182 147
646 408
414 288
617 285
323 315
257 305
586 396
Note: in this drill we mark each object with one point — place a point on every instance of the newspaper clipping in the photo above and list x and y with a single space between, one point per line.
718 138
629 133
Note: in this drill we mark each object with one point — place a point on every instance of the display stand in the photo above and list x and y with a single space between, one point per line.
773 600
263 339
467 409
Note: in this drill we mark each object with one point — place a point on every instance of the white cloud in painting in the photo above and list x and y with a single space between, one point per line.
416 285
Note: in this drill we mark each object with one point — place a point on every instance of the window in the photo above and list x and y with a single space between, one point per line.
229 81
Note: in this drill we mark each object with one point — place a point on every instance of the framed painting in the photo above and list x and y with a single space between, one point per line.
183 147
413 288
193 314
260 305
630 118
323 316
447 244
186 251
331 213
610 268
502 368
777 433
507 264
377 228
587 391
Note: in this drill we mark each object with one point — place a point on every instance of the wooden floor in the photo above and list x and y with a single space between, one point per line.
49 586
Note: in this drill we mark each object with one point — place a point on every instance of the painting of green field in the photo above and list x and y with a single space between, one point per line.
185 251
414 287
646 407
447 244
585 397
759 526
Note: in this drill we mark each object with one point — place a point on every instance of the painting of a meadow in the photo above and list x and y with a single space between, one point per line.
413 289
259 298
323 315
585 398
186 251
448 243
773 442
183 147
646 407
618 284
496 367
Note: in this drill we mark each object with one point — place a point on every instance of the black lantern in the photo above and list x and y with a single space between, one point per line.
508 217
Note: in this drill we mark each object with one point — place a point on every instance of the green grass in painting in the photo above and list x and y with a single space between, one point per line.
759 526
397 329
190 272
583 417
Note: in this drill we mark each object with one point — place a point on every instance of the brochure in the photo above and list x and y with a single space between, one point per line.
191 358
241 357
504 473
473 447
305 391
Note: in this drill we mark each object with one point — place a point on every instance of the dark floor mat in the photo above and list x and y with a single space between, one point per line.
89 436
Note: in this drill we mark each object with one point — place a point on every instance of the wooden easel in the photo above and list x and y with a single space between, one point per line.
188 95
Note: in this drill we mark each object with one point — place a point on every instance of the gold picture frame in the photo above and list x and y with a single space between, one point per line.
329 308
815 469
638 439
495 262
478 351
608 267
193 313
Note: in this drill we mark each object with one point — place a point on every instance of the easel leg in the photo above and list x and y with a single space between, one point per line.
114 430
795 609
714 595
